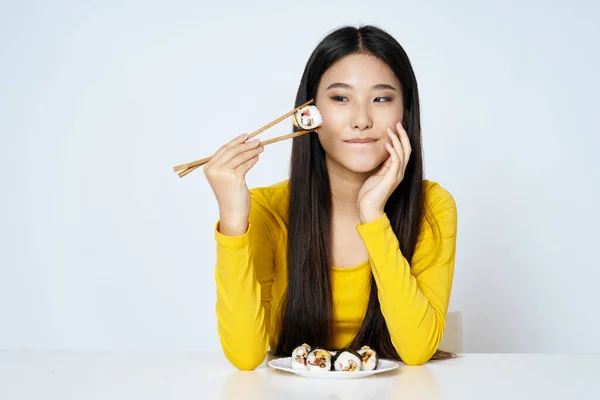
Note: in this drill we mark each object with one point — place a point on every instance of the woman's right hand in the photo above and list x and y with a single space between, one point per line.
226 174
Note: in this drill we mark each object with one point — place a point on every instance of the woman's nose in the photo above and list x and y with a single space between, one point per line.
361 117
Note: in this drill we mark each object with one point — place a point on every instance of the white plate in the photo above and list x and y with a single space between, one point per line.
285 364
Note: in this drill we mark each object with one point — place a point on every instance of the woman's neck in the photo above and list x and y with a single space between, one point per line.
345 186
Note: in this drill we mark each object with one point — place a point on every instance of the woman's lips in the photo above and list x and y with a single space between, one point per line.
361 141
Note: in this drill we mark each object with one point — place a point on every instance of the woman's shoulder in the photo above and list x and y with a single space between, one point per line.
274 198
433 190
274 191
438 200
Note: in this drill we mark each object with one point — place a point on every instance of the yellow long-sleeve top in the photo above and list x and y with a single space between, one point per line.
251 278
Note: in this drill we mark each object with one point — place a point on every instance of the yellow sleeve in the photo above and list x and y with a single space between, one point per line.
244 276
414 298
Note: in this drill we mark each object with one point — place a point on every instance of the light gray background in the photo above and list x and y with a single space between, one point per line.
104 247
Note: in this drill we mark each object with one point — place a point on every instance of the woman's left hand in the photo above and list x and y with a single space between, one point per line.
377 189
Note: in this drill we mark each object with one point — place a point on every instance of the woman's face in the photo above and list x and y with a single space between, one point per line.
359 97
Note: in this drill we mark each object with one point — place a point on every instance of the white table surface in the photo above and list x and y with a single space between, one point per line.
170 375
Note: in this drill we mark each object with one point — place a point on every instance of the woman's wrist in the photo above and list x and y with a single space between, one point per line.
232 226
370 215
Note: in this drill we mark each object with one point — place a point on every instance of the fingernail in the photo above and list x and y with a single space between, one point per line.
253 141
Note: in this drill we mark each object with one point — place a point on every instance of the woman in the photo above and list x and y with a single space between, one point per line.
355 248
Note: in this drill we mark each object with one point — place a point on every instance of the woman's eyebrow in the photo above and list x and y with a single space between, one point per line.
340 85
384 86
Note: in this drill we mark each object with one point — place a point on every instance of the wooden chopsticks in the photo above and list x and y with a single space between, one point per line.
191 166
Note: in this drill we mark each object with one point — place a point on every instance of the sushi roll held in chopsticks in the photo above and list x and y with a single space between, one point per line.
369 358
299 357
308 118
319 360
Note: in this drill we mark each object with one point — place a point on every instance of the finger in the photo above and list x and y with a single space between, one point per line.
395 165
234 151
238 140
244 157
384 167
405 140
245 167
396 145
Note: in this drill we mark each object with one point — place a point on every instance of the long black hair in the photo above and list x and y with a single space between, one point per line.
306 312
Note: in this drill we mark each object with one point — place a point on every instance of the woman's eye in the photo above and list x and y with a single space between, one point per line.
339 98
382 99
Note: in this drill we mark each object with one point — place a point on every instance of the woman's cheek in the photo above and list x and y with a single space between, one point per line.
326 139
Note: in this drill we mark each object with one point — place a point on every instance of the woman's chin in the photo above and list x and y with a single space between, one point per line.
362 166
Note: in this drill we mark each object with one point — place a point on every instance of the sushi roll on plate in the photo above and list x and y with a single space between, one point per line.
322 361
347 361
299 356
319 360
308 118
369 358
